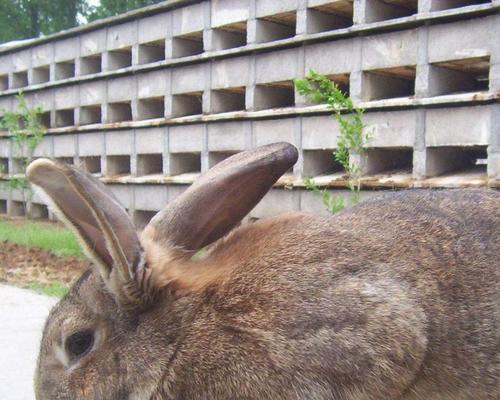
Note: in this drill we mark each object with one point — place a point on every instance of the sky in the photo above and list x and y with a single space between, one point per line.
94 3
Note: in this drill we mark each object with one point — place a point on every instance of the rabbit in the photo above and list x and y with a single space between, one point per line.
394 298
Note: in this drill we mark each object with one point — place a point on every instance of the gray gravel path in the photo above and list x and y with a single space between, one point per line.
22 315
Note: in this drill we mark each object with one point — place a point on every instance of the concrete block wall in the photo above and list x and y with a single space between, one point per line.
149 100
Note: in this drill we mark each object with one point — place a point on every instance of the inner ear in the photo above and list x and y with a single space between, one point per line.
102 224
221 198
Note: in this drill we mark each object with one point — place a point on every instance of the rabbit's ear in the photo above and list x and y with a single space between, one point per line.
100 222
220 198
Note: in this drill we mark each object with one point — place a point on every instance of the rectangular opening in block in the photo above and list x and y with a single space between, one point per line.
17 209
119 112
19 79
142 217
215 157
149 164
187 104
382 10
456 160
64 70
229 36
3 206
225 100
4 82
182 163
340 80
153 107
90 114
91 164
45 119
91 64
387 161
460 76
121 58
276 27
4 166
187 45
65 160
18 165
65 118
274 95
38 211
330 16
151 52
320 162
118 165
389 83
438 5
41 74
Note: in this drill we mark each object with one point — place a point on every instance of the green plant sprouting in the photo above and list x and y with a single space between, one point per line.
25 131
332 203
351 140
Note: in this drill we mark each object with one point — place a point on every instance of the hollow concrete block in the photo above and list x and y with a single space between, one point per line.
189 79
461 126
92 42
390 49
224 12
121 36
228 136
119 142
277 66
271 131
91 144
391 128
188 19
448 41
64 145
319 132
66 49
186 139
149 140
265 8
154 27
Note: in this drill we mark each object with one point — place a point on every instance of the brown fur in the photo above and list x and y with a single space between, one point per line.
396 298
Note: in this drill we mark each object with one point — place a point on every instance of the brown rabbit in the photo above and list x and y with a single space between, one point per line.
396 298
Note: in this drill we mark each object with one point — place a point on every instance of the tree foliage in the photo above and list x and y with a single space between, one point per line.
22 19
109 8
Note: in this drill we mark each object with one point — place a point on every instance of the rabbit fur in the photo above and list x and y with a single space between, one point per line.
395 298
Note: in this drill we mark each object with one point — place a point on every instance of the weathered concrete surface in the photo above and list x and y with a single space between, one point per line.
22 316
149 100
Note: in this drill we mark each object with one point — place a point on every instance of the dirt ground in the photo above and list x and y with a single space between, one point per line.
23 266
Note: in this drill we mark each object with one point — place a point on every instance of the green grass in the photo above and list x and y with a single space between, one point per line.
55 239
54 289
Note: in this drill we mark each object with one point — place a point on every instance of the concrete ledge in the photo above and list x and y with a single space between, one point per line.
403 103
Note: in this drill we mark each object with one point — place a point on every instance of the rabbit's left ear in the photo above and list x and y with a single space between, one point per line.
105 230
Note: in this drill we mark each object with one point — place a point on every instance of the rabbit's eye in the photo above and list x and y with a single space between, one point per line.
79 344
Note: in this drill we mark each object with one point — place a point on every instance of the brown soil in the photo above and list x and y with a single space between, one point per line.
21 266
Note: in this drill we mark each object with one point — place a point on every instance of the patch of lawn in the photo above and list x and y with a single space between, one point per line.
55 239
54 289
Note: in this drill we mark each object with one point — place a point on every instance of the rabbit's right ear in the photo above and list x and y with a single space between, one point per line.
108 236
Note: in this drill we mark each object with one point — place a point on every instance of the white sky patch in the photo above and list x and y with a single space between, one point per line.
92 3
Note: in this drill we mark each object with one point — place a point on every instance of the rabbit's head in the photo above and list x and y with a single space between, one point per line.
113 335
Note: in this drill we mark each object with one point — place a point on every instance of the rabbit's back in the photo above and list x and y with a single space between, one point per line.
395 298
